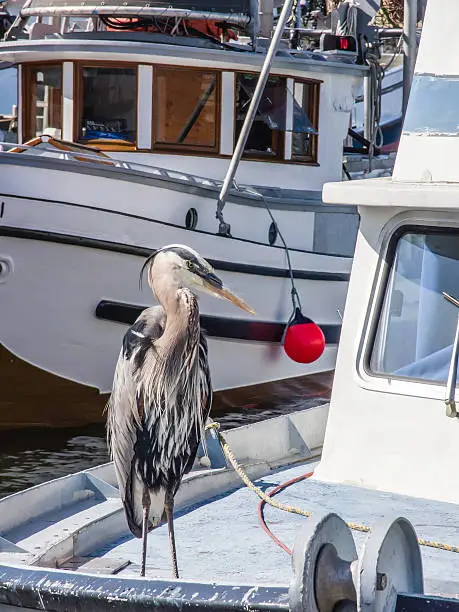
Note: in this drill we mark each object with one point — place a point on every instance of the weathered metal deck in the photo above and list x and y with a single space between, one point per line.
77 525
222 540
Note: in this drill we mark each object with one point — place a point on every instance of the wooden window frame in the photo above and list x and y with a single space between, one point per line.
189 148
25 100
314 104
78 66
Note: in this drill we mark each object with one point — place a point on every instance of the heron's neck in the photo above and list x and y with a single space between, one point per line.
180 307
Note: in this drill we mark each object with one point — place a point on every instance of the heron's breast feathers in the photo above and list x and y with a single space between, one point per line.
173 386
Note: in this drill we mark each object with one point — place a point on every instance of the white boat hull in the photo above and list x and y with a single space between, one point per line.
83 241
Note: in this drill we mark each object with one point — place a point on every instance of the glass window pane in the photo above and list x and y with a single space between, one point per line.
8 104
185 107
265 137
304 136
109 103
44 95
417 325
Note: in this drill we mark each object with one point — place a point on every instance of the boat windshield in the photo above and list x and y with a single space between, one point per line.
417 325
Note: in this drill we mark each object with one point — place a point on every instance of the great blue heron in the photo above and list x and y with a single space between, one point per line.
162 391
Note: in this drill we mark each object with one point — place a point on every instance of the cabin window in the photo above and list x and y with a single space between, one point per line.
185 108
266 136
42 91
108 106
417 325
305 120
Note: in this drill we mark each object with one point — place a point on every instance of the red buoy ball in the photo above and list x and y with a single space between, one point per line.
304 341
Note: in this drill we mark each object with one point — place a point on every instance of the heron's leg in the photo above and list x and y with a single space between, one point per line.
169 507
146 511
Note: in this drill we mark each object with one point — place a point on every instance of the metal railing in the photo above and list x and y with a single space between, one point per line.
91 158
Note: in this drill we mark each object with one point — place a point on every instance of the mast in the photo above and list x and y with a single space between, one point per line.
409 47
224 228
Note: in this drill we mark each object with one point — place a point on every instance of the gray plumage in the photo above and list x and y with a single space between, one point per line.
159 404
162 391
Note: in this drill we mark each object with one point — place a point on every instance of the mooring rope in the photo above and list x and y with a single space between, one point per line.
267 499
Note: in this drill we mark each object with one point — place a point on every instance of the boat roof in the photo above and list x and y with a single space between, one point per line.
385 191
141 35
145 48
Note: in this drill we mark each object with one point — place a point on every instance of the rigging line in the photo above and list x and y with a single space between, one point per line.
262 504
266 497
294 293
396 51
376 73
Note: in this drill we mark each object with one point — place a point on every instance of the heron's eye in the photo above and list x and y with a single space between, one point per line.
189 265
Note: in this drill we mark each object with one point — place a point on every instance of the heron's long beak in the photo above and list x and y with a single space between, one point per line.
232 297
214 285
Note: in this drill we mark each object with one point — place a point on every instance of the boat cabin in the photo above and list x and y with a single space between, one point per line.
393 395
170 88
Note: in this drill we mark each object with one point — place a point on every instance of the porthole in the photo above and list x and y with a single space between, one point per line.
272 233
191 219
6 267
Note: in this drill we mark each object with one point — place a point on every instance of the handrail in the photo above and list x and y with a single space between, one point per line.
91 9
88 157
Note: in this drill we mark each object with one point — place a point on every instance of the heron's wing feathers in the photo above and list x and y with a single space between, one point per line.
125 412
176 401
206 395
160 402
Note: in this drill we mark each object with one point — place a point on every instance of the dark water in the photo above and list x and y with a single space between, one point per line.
29 457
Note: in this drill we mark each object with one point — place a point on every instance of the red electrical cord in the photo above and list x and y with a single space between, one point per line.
261 507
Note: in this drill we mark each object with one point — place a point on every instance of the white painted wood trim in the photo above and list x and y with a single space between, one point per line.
227 113
144 105
20 105
67 101
289 119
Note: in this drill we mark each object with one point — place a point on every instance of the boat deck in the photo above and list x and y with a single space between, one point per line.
223 540
77 522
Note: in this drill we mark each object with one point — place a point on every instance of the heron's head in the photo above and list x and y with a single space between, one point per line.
177 265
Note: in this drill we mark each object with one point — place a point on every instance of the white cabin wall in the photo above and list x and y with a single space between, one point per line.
390 435
289 119
144 105
20 113
428 152
249 172
227 113
337 96
67 100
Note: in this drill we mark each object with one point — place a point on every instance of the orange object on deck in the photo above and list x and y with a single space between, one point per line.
208 27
